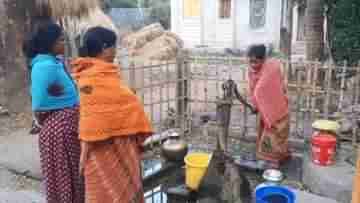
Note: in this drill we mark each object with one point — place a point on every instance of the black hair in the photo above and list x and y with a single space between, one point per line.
95 40
42 40
258 51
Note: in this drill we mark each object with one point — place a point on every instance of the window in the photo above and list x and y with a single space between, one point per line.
192 8
225 9
257 13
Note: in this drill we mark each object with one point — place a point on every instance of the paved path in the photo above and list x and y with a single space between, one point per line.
19 152
20 197
18 189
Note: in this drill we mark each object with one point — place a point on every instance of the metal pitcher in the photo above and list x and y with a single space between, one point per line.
174 149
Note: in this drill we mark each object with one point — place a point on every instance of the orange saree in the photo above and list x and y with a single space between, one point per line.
268 95
113 120
356 188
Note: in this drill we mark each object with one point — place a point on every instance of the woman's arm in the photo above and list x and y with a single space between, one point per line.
36 124
43 79
85 149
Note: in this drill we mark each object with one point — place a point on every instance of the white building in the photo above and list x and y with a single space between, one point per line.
228 23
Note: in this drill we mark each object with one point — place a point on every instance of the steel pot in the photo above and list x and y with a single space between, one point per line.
174 149
272 175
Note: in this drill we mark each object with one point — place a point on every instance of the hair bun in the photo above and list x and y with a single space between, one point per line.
29 48
83 51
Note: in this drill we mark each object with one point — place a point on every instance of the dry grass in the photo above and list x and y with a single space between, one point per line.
96 17
59 9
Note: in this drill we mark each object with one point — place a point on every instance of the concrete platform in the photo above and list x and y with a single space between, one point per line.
304 197
334 182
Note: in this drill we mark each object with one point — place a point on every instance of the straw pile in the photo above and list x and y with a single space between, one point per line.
153 43
147 34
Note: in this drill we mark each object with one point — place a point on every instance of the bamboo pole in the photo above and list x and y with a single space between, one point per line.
328 88
142 84
132 76
298 101
309 71
342 87
245 119
168 86
151 94
357 78
187 94
180 92
162 80
313 95
205 86
356 101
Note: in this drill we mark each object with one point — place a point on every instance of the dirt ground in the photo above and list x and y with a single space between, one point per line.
15 187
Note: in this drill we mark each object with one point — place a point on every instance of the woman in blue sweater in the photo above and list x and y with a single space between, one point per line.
55 102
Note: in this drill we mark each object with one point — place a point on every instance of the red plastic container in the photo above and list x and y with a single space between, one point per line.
323 147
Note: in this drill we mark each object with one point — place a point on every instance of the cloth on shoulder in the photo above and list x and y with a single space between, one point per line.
268 92
108 108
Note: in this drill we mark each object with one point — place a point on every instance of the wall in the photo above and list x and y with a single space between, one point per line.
269 34
189 29
220 33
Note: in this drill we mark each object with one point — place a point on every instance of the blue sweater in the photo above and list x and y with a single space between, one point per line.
47 70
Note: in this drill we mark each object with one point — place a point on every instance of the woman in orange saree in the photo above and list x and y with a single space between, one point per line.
356 188
268 95
113 124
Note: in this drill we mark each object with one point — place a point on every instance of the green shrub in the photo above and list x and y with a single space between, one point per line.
344 30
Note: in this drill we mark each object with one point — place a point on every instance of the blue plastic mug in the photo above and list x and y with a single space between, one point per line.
274 194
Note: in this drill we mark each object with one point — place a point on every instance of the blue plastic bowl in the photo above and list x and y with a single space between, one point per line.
263 192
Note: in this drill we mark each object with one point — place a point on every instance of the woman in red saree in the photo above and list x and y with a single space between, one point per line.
113 124
268 95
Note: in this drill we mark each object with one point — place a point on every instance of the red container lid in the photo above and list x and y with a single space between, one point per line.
324 139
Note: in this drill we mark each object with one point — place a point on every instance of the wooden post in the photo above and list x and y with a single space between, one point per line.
151 92
356 101
245 119
187 92
342 87
309 68
357 78
181 91
328 89
162 84
314 108
298 101
286 32
132 77
142 83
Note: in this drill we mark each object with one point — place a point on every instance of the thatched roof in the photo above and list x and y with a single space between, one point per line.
59 9
96 17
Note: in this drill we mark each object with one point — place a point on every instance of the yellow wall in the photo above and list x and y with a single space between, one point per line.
192 8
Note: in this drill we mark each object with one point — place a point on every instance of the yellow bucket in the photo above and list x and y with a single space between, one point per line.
196 167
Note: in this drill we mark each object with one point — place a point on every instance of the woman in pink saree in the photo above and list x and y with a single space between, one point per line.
268 96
